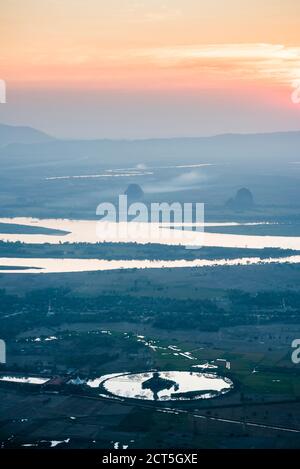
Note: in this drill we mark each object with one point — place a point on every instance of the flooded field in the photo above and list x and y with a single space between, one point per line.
23 379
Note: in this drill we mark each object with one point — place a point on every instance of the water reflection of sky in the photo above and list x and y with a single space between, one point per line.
130 385
23 379
40 265
91 231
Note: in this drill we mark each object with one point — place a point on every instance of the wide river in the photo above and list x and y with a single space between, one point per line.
41 265
92 231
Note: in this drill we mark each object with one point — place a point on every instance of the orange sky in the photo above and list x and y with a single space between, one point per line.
244 47
129 43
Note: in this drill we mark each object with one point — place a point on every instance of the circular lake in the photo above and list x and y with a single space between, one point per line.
168 385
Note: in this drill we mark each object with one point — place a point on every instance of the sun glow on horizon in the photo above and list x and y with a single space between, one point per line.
176 50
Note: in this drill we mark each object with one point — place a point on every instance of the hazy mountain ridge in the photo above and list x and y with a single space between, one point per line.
10 134
244 149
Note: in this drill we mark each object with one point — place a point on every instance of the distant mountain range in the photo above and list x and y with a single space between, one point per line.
19 134
22 146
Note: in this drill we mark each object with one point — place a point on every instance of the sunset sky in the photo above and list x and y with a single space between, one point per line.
135 69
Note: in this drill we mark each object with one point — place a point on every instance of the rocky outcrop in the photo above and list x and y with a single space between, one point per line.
243 200
134 192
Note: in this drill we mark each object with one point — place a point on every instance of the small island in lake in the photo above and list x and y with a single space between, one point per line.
157 384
